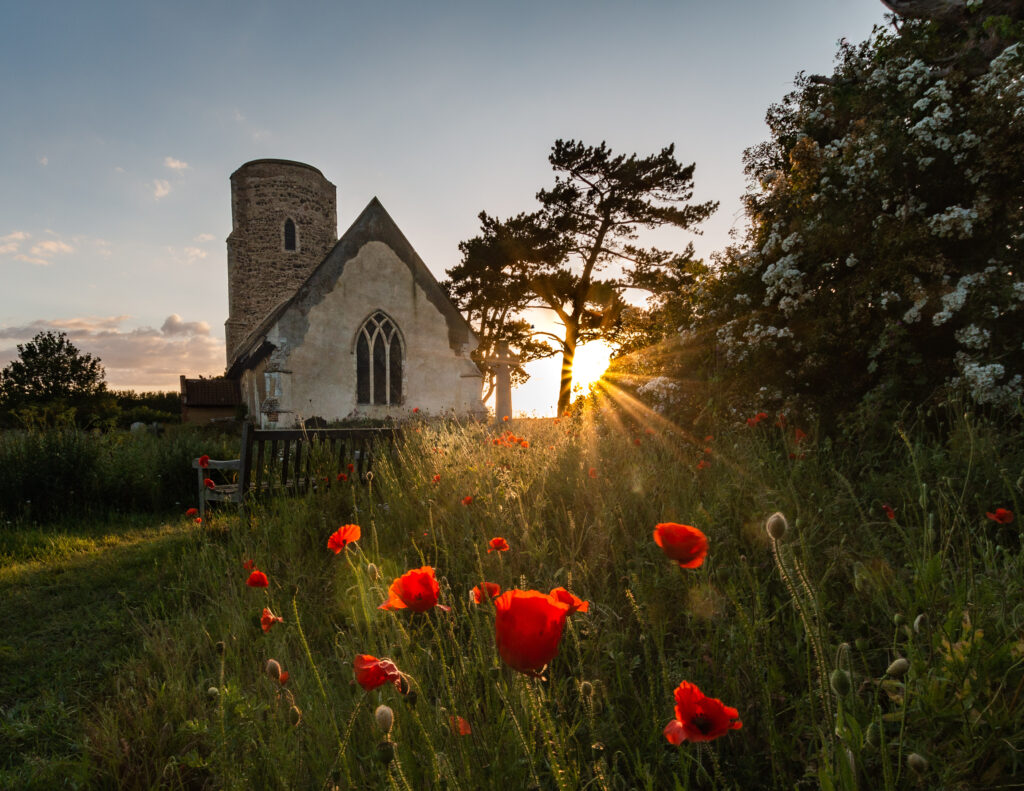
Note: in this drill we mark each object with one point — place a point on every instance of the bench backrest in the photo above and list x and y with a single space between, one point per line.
276 460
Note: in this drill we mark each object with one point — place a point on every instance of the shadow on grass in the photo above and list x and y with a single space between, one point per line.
69 620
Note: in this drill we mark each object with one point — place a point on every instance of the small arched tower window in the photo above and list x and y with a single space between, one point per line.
379 361
289 234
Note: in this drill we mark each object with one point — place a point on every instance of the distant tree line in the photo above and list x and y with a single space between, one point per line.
52 383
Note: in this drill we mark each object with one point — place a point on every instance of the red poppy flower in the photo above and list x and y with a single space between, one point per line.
781 422
268 619
342 537
351 467
524 443
528 627
486 591
257 579
800 436
209 484
575 604
467 499
192 512
249 565
1000 515
415 409
699 718
682 543
497 544
637 441
459 725
416 590
203 461
703 464
505 418
198 520
592 472
888 510
436 478
753 421
372 672
342 476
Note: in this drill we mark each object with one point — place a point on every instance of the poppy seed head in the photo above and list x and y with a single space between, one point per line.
776 526
385 718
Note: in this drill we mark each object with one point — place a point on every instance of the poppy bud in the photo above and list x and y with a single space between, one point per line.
898 668
898 620
840 682
385 718
861 643
273 669
373 571
920 623
776 526
873 736
213 692
917 762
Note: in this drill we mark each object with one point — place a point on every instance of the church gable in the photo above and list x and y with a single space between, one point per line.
370 333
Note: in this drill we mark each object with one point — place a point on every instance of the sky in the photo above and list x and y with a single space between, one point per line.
121 123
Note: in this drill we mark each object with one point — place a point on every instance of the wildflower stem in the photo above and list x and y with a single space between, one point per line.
312 664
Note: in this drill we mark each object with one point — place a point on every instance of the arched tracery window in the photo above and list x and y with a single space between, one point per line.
289 234
378 361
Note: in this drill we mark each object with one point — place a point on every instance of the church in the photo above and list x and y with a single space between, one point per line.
322 328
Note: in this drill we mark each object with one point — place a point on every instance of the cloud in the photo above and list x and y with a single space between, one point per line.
173 325
51 247
32 259
140 358
161 188
194 254
9 243
204 237
175 164
44 161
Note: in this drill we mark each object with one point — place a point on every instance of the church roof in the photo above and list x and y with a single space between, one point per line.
374 224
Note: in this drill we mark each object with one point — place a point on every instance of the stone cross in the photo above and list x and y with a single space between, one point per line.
503 362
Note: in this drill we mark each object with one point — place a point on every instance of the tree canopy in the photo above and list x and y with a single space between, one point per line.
50 370
580 250
886 223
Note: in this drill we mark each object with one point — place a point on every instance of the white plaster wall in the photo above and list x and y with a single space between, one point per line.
323 368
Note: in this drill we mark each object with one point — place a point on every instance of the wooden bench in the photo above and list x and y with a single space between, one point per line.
281 461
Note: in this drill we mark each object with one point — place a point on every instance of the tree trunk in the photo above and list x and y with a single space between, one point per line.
565 380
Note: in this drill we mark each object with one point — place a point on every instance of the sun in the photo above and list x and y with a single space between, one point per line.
589 364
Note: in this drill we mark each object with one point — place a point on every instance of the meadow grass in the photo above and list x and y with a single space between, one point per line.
762 625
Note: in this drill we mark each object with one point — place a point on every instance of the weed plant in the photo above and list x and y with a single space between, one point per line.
52 475
801 630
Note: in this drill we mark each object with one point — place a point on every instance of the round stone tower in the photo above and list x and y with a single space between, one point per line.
284 221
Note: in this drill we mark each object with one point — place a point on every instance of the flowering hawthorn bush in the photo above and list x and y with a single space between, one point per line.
886 212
